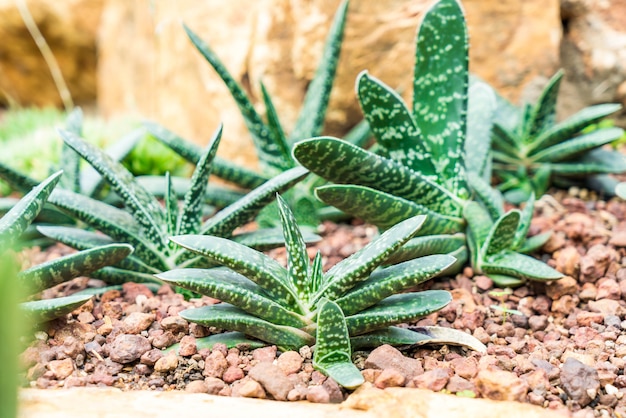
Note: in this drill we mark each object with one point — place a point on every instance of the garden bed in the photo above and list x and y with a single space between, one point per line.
556 345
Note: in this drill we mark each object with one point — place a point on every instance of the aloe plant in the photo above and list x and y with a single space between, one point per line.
273 146
51 273
146 224
301 305
532 151
432 159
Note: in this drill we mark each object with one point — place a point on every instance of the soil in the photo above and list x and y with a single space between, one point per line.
553 345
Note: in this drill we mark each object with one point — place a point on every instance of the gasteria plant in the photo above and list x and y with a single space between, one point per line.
531 151
51 273
300 305
273 146
433 161
146 225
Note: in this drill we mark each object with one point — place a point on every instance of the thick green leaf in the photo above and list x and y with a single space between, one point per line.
480 113
230 339
392 280
578 145
341 162
235 289
356 268
191 215
440 84
316 274
297 256
79 239
45 310
70 160
256 266
396 309
491 198
171 205
245 209
275 127
593 162
502 235
16 220
543 113
333 354
215 195
143 205
479 223
524 223
114 275
59 270
505 281
392 123
269 152
520 266
18 181
534 243
427 245
311 117
385 210
231 318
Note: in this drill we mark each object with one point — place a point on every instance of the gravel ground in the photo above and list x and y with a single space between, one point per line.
564 347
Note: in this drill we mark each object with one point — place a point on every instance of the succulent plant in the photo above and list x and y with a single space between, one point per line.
531 151
432 159
51 273
273 146
146 225
301 305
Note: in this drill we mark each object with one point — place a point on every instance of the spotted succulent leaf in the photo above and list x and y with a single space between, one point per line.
502 235
578 145
544 112
275 127
480 112
297 256
39 311
519 265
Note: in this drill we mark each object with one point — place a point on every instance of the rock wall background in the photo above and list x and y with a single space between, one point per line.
146 65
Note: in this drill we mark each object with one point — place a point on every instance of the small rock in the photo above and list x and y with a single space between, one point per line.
585 319
297 394
175 324
483 282
588 292
273 380
188 346
459 384
317 394
166 363
197 386
162 339
290 362
137 322
465 367
131 290
251 389
389 378
608 289
566 286
388 357
215 364
85 317
127 348
214 385
565 304
334 391
618 238
72 347
537 381
579 381
232 374
61 368
265 354
542 305
150 357
370 375
568 261
594 264
435 379
501 385
604 306
583 335
538 322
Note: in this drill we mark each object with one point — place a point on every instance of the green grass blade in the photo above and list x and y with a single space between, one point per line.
392 123
39 311
393 280
311 117
231 318
341 162
333 354
502 235
440 87
521 266
59 270
385 210
143 205
256 266
356 268
578 145
18 218
571 126
297 256
268 151
245 209
480 113
235 289
543 114
191 215
405 307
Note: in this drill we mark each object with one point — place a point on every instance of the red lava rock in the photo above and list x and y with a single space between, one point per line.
188 346
215 364
175 324
568 261
127 348
542 304
608 289
388 357
214 385
484 283
538 381
435 379
604 306
585 318
131 290
61 368
538 322
588 291
232 374
265 354
166 363
317 394
198 331
232 357
249 389
290 362
501 385
579 381
370 375
565 304
160 339
150 357
583 336
334 391
389 378
72 347
273 379
113 309
465 367
297 394
197 386
607 373
137 322
594 264
558 288
459 384
85 317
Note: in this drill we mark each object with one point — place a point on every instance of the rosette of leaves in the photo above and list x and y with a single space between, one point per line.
532 151
54 272
432 159
272 144
146 224
301 305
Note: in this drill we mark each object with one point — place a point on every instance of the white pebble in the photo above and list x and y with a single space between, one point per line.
611 390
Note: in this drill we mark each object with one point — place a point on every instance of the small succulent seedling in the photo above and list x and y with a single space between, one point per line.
146 224
431 160
51 273
272 145
354 303
531 151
